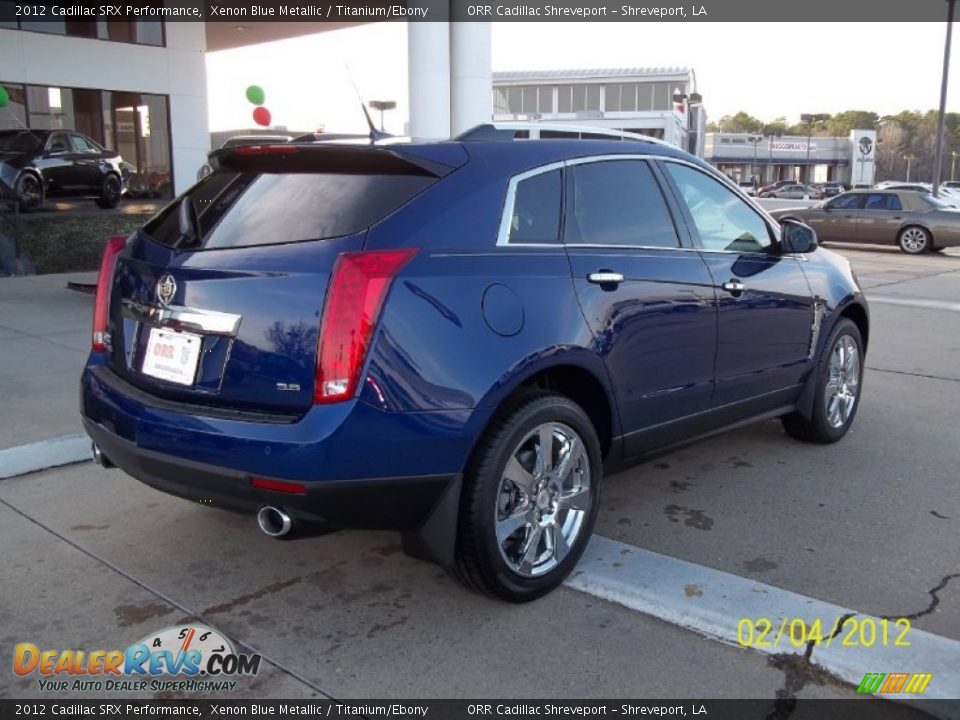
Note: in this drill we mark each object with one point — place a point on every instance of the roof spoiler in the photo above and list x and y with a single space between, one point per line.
335 158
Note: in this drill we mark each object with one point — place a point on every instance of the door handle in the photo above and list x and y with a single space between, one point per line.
605 277
734 287
897 217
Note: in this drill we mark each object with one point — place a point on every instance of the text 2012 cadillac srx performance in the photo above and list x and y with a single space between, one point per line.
455 340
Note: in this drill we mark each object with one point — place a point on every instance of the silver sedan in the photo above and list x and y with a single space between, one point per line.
916 221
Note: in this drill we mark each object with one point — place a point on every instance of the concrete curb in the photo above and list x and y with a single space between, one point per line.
45 454
712 603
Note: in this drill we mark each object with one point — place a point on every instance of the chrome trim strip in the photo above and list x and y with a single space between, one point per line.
208 322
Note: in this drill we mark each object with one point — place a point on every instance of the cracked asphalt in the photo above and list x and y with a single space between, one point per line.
93 559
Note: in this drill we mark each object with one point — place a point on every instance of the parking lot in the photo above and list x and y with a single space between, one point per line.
870 525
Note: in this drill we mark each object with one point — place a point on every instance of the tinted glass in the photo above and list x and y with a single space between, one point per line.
882 202
19 141
250 208
723 220
536 209
846 202
619 203
83 145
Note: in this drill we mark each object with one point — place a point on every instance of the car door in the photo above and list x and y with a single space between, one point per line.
56 163
837 218
86 163
765 314
646 295
880 218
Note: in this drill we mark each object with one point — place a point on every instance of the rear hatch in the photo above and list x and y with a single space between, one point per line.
219 299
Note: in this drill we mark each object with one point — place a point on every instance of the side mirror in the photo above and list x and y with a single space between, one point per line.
798 237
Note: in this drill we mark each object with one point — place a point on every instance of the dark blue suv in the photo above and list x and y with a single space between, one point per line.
455 340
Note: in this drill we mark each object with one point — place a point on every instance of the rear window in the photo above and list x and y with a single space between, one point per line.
243 209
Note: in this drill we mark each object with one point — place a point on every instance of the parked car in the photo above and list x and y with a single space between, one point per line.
950 196
793 192
952 184
831 189
37 164
240 141
748 186
408 337
775 186
916 221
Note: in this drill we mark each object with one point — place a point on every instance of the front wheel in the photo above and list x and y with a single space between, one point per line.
110 190
914 240
530 499
30 191
839 379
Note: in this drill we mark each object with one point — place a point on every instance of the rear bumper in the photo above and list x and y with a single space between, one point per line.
394 503
339 453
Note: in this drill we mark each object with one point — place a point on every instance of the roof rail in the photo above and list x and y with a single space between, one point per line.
508 130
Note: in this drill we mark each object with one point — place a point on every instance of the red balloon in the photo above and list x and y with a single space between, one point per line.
261 116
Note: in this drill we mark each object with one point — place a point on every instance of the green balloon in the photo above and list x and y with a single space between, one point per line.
255 94
4 96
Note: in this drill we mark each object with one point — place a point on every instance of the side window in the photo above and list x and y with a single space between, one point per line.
82 145
58 142
536 209
723 220
618 202
845 202
880 201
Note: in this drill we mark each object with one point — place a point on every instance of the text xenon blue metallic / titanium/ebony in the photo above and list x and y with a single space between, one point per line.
454 340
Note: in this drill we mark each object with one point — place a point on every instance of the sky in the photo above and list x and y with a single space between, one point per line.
766 69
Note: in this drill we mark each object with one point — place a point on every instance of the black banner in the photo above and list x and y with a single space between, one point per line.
860 12
866 709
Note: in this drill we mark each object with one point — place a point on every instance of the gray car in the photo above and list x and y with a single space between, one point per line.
793 192
917 222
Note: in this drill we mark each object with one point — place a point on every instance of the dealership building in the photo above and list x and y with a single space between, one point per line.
744 156
649 101
139 87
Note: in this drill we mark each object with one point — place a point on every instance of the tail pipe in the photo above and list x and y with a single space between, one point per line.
99 458
274 521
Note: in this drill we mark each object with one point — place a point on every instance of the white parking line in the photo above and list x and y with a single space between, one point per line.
913 302
45 454
725 607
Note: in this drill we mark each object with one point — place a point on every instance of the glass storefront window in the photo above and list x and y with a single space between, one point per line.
141 32
134 124
14 115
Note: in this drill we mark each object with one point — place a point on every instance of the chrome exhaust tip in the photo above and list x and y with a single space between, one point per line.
273 521
99 458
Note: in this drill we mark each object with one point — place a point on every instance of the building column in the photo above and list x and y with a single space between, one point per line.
428 55
471 76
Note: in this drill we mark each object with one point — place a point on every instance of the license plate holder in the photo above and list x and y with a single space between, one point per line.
172 356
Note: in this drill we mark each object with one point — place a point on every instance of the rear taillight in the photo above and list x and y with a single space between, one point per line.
358 285
101 307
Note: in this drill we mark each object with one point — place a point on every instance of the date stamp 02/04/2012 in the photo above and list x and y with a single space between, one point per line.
847 631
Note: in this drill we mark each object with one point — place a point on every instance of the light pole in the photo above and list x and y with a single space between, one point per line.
953 164
382 105
810 119
909 159
755 139
938 157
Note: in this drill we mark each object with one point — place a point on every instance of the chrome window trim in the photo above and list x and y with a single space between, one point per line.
503 234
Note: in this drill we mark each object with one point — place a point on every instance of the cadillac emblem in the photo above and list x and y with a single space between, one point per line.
166 289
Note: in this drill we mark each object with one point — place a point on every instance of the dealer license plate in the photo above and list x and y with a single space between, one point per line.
172 356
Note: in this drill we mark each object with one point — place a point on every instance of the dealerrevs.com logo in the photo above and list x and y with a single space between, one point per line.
199 657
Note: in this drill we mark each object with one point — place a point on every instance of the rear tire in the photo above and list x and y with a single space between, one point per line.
530 498
110 190
838 380
915 240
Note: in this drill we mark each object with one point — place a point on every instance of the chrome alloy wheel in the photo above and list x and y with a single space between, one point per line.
914 240
543 499
843 381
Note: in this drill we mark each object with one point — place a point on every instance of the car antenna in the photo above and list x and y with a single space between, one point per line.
374 133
